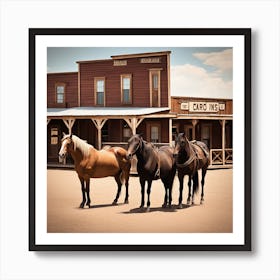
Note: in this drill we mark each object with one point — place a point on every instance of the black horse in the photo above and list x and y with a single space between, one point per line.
152 164
190 157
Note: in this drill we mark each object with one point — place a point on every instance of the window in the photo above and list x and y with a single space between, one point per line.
188 129
99 86
154 134
104 133
54 136
60 94
126 89
127 133
206 134
155 81
154 87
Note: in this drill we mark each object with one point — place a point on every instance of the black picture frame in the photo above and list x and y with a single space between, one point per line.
34 33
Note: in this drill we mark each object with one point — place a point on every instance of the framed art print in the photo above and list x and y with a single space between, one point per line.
140 139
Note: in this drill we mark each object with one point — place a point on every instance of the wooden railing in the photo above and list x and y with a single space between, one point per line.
217 157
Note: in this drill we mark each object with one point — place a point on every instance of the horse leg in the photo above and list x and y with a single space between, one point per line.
190 189
170 195
118 180
142 183
148 193
165 197
170 185
87 192
181 180
83 192
202 185
195 185
126 187
166 194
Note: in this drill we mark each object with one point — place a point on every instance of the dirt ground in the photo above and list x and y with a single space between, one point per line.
64 215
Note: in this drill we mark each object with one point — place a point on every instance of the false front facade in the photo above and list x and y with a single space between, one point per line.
107 101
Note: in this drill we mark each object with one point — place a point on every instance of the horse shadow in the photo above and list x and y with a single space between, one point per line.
96 206
138 210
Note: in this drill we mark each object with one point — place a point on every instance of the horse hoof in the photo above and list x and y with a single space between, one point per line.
180 206
82 205
201 202
114 202
126 201
164 205
148 209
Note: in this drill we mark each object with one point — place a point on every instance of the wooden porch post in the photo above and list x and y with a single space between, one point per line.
170 132
133 123
194 123
69 124
223 123
99 123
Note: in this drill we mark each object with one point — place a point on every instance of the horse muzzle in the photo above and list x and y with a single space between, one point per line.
129 156
61 157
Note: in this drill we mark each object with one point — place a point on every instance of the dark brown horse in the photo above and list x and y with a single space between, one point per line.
190 157
91 163
152 164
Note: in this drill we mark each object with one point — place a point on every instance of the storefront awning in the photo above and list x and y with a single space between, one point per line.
103 111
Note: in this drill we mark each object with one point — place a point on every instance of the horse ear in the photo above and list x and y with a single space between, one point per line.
63 134
71 135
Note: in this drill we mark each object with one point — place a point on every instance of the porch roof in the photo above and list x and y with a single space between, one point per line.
103 111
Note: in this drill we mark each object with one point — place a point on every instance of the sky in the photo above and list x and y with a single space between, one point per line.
195 71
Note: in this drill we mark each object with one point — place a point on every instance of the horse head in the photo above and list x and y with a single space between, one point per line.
181 142
134 144
66 145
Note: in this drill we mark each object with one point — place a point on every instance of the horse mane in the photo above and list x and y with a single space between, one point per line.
81 144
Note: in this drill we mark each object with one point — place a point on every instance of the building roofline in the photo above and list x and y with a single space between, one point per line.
192 97
123 56
56 73
93 61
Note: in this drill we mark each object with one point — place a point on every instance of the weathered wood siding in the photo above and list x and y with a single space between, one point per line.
71 89
112 75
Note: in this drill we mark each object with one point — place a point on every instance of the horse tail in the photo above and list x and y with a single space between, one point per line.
122 177
195 182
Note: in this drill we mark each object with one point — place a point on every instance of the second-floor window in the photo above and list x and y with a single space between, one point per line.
99 85
126 89
155 87
60 93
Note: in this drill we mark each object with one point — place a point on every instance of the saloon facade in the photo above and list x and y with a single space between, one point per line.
107 101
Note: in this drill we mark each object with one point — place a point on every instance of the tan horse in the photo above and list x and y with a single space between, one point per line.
91 163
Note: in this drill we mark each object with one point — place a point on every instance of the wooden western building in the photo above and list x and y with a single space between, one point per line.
107 101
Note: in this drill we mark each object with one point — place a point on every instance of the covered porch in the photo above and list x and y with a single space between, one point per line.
107 126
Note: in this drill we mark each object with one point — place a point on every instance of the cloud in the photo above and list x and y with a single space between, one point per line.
194 81
222 61
198 81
